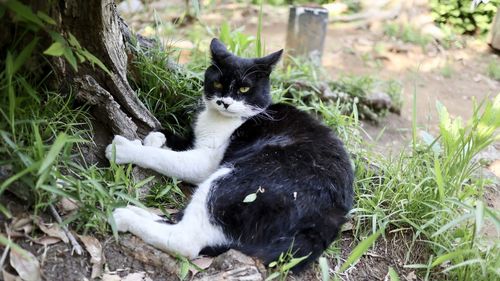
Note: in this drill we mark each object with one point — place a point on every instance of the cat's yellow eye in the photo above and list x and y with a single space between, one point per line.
217 85
244 89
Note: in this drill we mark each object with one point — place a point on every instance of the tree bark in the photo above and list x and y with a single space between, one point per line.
495 32
115 107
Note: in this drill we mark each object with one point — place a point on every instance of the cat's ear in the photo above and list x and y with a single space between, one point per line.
269 61
218 50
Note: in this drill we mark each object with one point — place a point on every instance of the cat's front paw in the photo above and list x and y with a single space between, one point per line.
155 139
124 218
122 150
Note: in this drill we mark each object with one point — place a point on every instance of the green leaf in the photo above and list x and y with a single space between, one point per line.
184 269
439 178
465 263
144 181
27 87
54 190
14 178
450 256
73 41
24 12
5 212
392 274
55 149
20 60
56 49
68 54
94 60
323 265
273 276
360 249
250 198
452 223
46 18
293 263
7 242
479 216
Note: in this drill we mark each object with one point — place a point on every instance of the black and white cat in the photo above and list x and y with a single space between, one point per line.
242 145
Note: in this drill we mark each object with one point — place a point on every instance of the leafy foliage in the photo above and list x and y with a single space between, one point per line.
462 17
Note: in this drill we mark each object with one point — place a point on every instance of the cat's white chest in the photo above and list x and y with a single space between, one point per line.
212 130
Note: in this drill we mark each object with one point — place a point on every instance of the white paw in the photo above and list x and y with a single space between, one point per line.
144 213
124 219
124 150
155 139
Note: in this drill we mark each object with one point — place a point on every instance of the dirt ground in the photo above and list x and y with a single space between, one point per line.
349 49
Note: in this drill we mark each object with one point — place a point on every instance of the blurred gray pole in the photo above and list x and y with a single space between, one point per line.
495 32
306 32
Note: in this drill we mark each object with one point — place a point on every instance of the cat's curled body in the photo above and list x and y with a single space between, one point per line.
297 167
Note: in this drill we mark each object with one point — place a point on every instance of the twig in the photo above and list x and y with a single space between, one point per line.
75 245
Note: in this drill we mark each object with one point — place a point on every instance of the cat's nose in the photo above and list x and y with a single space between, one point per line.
219 102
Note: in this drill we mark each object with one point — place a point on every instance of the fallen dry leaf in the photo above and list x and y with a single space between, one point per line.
110 277
26 265
22 225
52 230
10 277
94 248
411 276
203 263
67 205
347 226
47 240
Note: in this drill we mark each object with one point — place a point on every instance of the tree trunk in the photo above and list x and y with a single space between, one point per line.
115 107
495 32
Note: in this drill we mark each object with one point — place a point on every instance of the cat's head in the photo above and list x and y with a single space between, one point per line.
238 87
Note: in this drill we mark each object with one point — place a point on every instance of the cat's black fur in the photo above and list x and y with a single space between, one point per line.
300 166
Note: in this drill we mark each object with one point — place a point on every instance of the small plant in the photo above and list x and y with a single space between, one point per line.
407 34
283 265
236 41
462 17
494 69
447 70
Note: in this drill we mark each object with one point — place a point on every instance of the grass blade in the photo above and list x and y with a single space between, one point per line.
452 224
393 275
53 152
24 55
323 265
360 249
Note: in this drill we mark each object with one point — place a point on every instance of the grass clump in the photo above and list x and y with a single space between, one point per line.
494 70
447 70
406 33
461 17
433 192
168 90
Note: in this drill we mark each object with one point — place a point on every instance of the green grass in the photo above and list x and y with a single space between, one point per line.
406 33
447 70
493 69
429 190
